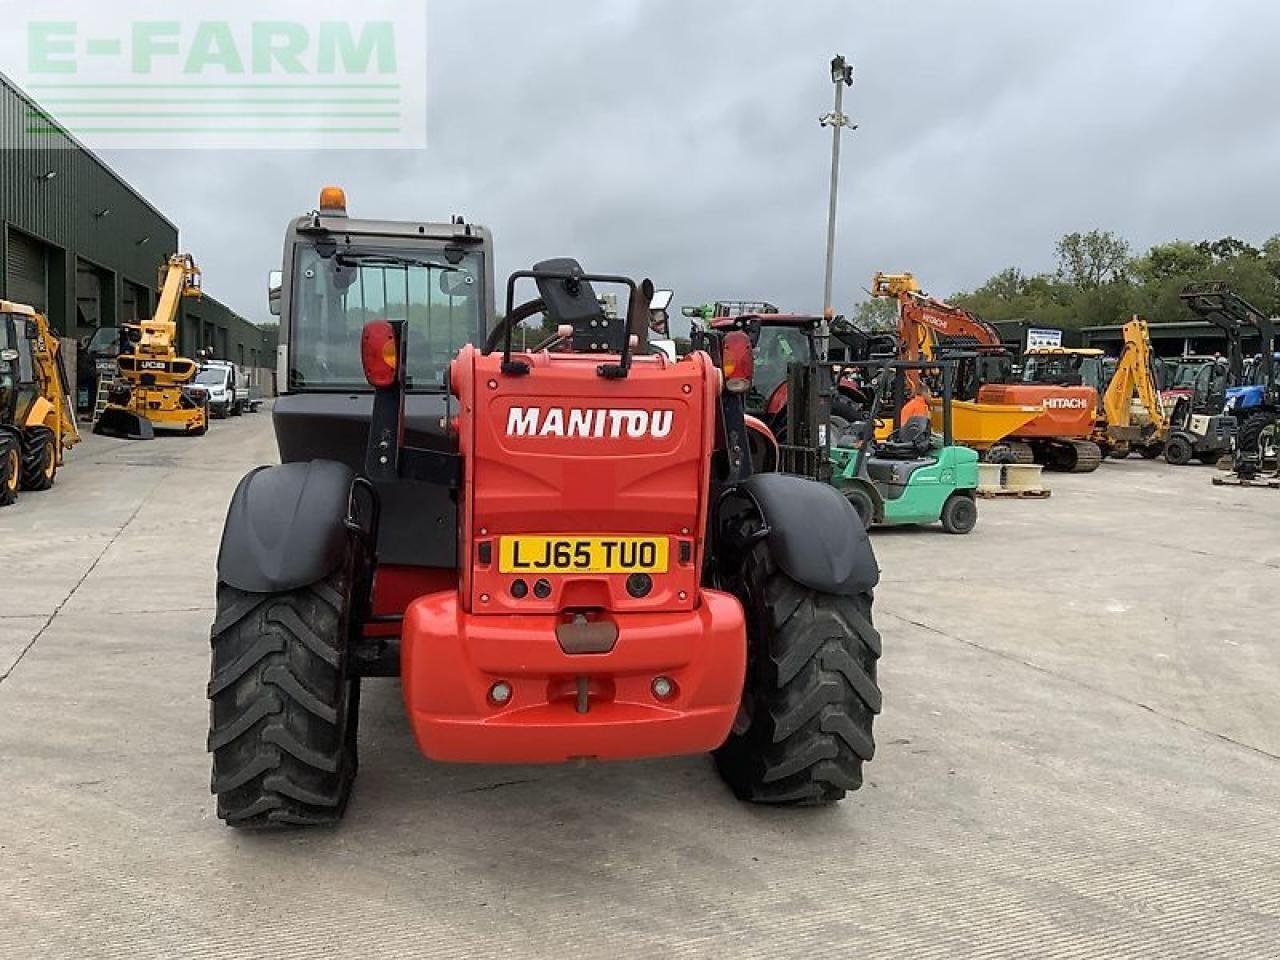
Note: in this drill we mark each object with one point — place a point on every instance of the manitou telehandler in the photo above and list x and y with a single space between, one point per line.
37 421
562 552
154 385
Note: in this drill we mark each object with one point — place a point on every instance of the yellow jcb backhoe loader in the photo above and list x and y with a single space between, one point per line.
37 422
151 389
1133 416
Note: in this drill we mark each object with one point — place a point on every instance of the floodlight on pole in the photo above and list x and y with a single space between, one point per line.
841 77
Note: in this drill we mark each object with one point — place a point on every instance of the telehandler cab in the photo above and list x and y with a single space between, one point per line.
563 552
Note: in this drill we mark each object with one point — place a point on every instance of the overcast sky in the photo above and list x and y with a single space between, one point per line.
679 139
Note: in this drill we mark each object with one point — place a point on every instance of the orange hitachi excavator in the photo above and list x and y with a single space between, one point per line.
1057 436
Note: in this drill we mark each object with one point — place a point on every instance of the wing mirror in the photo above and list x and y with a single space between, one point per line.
275 282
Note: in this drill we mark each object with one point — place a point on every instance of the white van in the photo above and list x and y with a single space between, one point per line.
228 390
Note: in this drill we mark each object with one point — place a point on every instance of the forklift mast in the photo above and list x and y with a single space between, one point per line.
1217 303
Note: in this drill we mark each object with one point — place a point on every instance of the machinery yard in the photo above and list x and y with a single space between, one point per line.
1078 756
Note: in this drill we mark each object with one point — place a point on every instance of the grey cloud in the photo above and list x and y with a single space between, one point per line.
680 140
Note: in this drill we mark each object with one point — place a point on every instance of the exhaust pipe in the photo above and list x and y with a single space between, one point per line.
123 425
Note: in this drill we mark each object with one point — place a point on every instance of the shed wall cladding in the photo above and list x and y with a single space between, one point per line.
130 238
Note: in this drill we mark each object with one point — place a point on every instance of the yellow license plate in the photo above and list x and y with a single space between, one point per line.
583 555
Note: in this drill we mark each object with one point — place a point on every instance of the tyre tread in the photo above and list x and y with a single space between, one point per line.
283 710
811 688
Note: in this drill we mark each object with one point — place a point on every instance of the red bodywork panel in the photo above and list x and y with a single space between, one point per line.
564 452
1070 412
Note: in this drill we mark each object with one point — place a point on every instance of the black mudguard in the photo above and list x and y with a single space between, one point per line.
815 535
287 526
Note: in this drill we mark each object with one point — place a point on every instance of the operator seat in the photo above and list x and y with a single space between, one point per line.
905 451
910 441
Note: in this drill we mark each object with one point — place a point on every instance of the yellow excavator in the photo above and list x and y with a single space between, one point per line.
37 422
1133 415
152 389
1130 415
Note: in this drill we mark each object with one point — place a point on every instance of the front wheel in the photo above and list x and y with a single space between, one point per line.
39 458
804 728
285 708
1256 438
1178 451
1151 451
862 505
959 514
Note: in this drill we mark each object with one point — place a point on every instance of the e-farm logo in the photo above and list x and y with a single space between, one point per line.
234 75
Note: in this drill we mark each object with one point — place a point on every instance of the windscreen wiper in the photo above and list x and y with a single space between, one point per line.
386 260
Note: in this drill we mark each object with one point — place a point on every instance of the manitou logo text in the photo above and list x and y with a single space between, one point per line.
588 424
1067 403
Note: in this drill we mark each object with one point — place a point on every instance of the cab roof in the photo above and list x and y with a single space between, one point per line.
8 306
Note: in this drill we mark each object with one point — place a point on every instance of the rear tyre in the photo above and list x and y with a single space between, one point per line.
959 514
10 468
862 505
285 708
1256 436
1178 451
39 458
805 725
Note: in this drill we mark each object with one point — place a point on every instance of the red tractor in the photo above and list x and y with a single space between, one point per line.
621 585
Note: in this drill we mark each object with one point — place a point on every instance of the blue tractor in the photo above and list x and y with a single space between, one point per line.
1253 392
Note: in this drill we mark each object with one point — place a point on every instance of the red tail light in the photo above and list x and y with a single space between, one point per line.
379 354
737 362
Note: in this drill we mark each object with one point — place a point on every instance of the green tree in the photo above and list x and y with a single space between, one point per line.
1091 260
876 314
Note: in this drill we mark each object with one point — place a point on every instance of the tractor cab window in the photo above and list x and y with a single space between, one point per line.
776 349
336 292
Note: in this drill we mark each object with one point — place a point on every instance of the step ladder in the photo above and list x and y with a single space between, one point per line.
100 402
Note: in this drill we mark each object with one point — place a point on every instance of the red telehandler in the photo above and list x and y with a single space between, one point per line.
562 552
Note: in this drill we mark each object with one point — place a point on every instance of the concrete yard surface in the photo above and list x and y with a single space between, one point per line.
1079 757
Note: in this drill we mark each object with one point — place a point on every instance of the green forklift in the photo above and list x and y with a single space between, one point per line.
821 418
913 476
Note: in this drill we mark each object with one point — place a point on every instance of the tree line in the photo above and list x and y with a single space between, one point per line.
1099 280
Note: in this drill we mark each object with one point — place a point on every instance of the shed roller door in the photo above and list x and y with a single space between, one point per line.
26 270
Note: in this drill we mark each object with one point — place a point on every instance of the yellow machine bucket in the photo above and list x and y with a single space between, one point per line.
123 424
980 425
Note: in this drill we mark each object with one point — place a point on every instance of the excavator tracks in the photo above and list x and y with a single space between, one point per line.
1088 456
